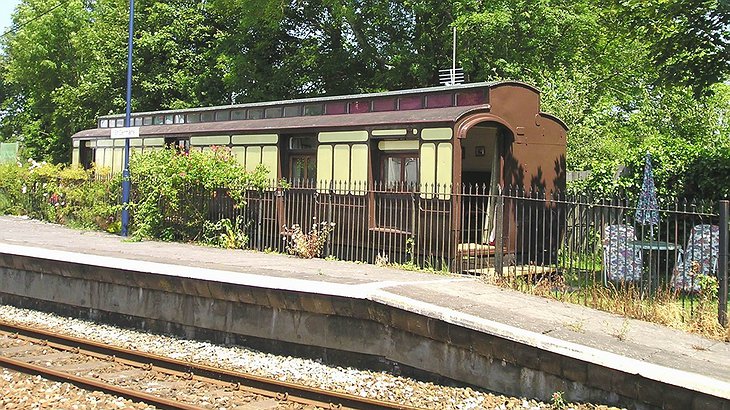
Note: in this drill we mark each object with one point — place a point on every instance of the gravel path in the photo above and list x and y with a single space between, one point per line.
365 383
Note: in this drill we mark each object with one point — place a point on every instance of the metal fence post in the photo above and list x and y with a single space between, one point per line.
499 236
722 262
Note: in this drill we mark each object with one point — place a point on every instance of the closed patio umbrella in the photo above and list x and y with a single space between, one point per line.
647 208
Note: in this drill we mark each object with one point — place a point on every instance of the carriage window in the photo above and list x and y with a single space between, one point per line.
238 115
303 143
293 111
179 118
158 120
400 170
303 159
315 109
206 117
222 115
178 144
303 168
255 113
274 112
147 121
104 124
137 121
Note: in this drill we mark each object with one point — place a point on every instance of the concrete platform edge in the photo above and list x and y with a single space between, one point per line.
377 292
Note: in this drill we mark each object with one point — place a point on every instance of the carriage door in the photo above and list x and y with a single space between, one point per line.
480 175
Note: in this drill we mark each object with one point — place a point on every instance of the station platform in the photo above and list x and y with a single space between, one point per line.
637 364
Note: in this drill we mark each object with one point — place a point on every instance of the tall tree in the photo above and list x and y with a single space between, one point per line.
689 40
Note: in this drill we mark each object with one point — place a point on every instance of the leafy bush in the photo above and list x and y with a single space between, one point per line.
681 170
60 194
176 193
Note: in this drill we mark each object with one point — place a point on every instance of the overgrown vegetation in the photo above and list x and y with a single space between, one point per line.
176 196
60 194
696 313
179 196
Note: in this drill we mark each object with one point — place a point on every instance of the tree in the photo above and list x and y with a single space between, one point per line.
689 40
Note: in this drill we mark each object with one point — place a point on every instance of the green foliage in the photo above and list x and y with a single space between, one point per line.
687 39
59 194
558 401
225 233
621 74
175 193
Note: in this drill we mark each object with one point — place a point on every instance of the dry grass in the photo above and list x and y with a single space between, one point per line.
691 313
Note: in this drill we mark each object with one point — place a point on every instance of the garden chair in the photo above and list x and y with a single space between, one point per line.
621 261
699 257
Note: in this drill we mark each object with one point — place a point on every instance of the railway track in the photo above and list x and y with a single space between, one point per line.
159 381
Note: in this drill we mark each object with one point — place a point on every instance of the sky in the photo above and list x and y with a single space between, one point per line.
6 9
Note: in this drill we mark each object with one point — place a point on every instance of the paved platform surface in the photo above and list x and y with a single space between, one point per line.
634 345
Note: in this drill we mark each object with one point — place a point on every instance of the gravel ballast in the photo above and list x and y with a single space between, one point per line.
378 385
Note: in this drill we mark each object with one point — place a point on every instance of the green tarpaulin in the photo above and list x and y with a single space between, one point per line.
8 152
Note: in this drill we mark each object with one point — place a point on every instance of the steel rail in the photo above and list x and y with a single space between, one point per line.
255 384
92 384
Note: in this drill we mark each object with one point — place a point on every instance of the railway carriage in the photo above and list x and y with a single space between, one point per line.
414 172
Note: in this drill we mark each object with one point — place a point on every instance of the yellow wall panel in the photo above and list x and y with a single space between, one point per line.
343 136
154 142
398 145
444 169
239 153
118 160
253 158
433 134
108 157
400 132
341 175
428 168
256 139
324 167
211 140
270 159
99 157
359 168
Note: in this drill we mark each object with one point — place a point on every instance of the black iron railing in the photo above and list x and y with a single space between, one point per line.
571 247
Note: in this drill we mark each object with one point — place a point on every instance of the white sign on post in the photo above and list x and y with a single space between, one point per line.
123 133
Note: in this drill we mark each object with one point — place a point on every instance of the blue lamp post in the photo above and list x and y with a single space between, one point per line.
126 183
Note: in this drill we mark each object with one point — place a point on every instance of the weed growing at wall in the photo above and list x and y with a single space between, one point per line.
308 244
182 196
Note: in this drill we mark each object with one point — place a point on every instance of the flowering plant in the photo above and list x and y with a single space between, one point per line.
310 244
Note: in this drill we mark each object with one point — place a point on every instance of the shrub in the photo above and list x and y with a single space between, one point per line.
175 193
60 194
